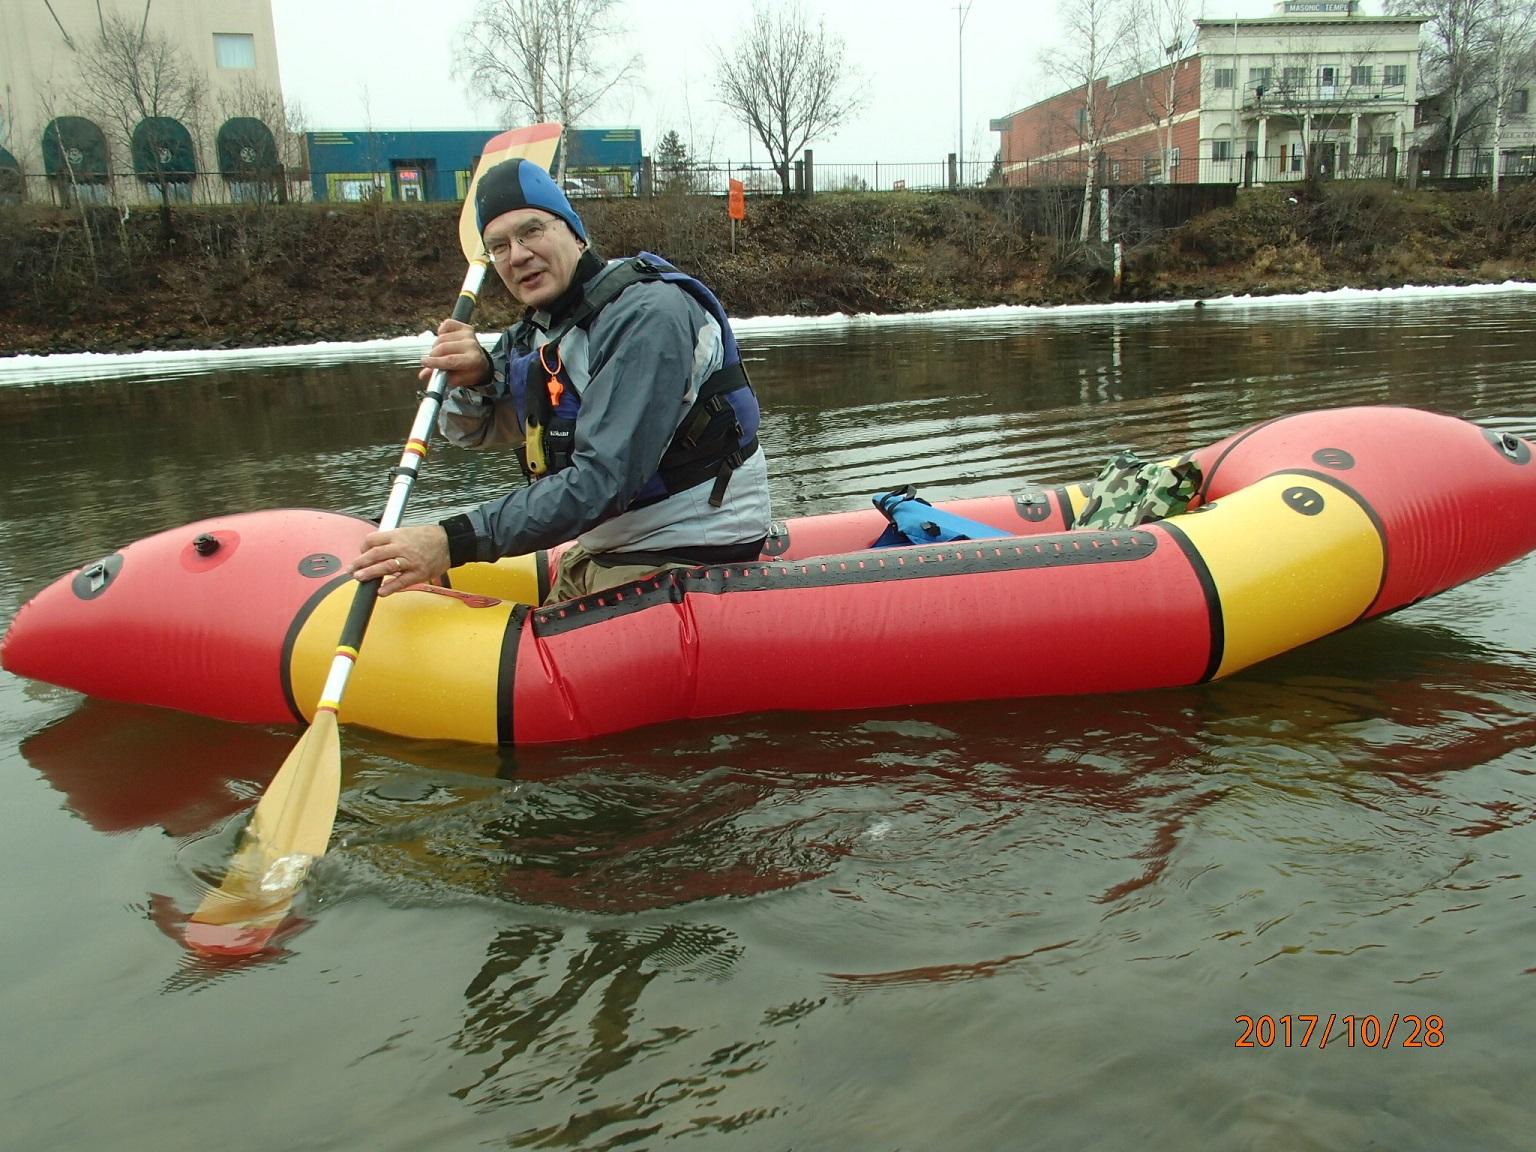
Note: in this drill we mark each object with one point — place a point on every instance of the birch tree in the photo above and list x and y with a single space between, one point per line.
788 80
1512 52
1096 44
1160 33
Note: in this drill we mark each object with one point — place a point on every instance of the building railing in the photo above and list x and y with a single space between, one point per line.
1279 96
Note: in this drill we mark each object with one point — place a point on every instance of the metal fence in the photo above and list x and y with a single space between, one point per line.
132 189
1216 167
1289 165
713 179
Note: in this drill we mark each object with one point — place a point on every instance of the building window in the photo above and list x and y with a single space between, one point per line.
1360 75
234 49
1394 75
363 188
1221 149
1226 77
1082 122
1520 102
1260 76
1293 79
1327 76
1384 145
1296 158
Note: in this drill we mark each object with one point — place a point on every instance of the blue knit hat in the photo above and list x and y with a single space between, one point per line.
519 183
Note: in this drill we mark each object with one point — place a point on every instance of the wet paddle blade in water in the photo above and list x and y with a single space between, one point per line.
289 830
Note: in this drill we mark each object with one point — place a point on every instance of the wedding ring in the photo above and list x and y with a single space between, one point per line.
398 566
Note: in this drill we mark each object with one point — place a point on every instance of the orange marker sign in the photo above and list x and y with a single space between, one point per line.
737 201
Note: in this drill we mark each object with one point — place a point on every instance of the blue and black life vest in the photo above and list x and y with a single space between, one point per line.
716 437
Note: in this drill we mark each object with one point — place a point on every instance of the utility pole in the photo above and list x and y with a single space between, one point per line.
963 10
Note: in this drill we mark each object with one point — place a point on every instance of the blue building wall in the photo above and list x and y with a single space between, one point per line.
436 165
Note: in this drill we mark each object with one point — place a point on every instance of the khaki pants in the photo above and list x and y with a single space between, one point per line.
580 575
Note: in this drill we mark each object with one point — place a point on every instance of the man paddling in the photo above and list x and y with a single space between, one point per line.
622 389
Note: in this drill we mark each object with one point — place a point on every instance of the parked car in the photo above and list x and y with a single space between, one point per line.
578 189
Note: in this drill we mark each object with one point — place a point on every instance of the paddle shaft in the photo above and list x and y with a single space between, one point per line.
367 594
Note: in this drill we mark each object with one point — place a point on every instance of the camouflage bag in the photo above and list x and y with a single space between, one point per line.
1131 491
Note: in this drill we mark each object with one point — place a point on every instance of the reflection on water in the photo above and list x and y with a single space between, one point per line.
922 928
122 767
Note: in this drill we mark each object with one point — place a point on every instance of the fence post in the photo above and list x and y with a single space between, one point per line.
647 178
810 172
954 174
799 175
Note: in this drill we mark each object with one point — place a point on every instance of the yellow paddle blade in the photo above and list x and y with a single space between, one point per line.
289 830
536 144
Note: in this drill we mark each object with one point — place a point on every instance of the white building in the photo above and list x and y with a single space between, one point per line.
1318 87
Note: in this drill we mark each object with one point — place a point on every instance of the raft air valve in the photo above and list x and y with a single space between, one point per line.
206 544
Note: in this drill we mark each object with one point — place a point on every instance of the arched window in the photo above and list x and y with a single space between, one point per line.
248 160
75 158
163 156
12 188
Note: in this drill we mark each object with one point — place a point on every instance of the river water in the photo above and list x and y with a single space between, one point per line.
1003 925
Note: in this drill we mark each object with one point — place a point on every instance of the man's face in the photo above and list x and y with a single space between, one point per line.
535 253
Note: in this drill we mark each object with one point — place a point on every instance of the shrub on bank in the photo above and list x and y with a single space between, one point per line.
242 275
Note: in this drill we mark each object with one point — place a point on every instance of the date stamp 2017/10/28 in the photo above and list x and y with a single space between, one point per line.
1367 1030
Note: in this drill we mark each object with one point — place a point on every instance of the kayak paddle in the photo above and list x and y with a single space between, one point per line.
291 826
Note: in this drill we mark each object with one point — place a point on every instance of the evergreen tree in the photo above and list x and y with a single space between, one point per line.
674 167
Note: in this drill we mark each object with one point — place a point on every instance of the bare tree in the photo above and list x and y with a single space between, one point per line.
788 80
284 121
136 81
1512 54
543 59
12 182
70 184
1454 62
1096 43
1160 32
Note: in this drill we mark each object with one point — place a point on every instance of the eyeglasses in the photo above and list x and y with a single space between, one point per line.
528 235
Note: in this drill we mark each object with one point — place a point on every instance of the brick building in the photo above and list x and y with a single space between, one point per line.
1315 88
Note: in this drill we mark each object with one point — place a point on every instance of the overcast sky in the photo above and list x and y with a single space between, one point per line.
386 64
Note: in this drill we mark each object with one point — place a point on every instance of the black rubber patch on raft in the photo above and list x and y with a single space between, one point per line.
94 579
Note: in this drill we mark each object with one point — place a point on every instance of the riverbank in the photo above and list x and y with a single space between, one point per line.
243 276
